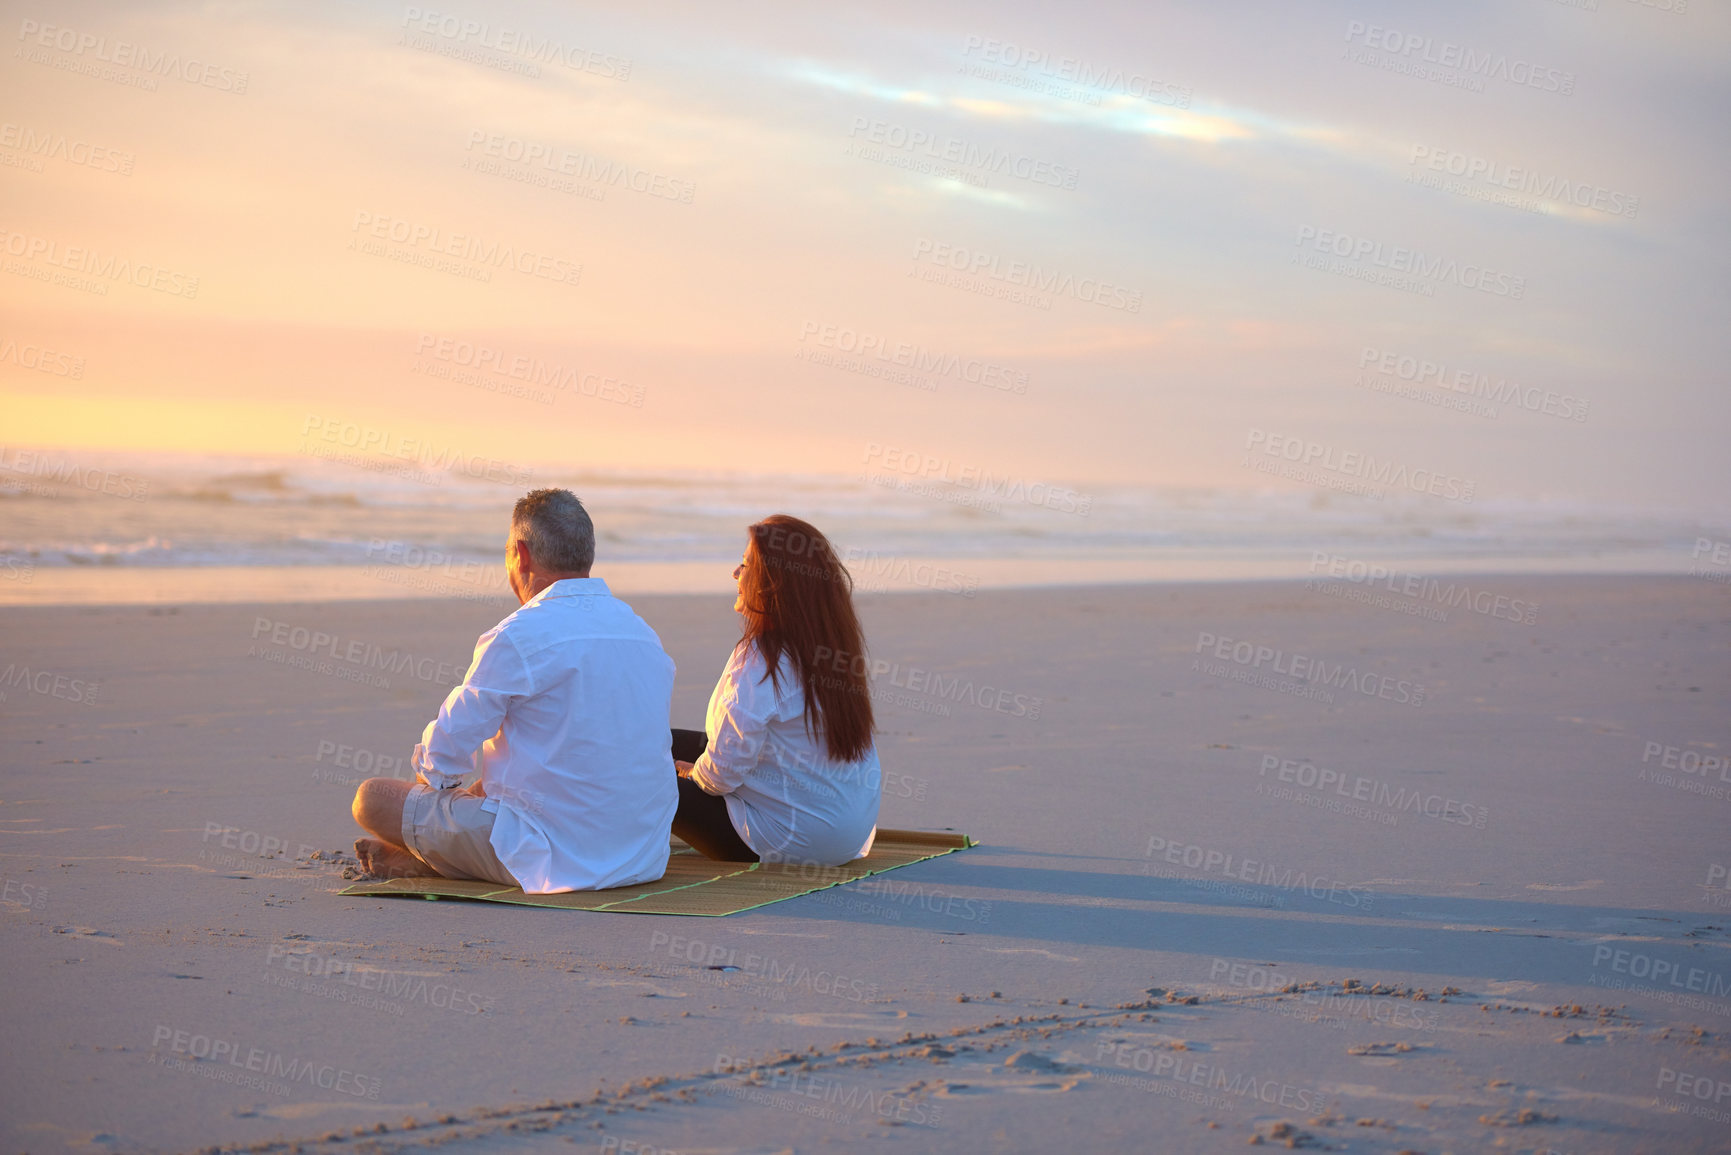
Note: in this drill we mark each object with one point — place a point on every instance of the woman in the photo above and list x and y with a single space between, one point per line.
787 771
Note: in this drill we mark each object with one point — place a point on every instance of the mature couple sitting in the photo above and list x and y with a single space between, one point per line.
564 713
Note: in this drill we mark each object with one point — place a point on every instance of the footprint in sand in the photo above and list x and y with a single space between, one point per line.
1161 1041
839 1019
1033 1061
310 1110
646 988
1032 950
1023 1073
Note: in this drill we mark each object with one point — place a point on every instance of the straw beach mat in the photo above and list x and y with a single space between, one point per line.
694 884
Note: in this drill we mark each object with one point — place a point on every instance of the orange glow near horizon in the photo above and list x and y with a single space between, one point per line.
688 227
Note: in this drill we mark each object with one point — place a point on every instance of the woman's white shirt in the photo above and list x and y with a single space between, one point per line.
787 799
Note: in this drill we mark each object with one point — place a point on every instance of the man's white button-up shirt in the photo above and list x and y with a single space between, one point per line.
564 711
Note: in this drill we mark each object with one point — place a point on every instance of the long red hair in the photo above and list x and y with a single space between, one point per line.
798 601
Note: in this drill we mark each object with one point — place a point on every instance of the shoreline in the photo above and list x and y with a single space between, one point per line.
961 578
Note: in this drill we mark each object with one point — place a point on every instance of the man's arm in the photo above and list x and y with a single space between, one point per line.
473 712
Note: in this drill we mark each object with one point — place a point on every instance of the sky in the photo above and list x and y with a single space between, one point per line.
1153 244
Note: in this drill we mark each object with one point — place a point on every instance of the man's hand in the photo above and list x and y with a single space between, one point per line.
683 768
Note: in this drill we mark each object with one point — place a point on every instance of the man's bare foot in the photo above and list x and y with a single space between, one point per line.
382 860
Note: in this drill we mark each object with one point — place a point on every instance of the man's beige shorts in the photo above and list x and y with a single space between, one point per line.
448 830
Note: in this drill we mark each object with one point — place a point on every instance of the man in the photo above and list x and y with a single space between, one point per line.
564 712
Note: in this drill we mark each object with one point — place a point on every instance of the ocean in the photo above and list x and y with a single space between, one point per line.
80 526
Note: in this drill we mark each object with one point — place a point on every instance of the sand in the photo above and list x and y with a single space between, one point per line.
1101 974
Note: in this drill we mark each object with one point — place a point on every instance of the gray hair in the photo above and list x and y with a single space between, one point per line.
557 529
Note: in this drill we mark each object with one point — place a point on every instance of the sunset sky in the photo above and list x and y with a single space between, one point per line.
1209 149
